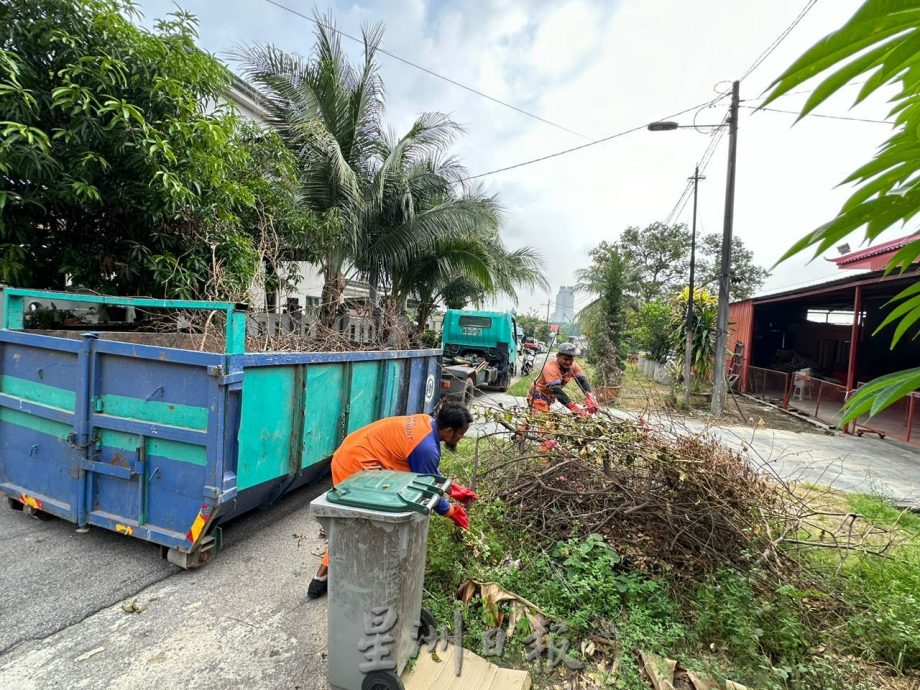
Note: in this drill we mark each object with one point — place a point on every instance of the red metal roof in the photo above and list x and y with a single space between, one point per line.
874 258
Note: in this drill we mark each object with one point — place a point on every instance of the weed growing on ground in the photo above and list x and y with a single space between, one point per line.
863 622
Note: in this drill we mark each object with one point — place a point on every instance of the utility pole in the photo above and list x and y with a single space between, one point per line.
718 379
689 326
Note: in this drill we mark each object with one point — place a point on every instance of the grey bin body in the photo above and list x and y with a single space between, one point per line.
376 559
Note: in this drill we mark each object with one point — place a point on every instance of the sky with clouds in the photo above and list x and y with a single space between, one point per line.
599 67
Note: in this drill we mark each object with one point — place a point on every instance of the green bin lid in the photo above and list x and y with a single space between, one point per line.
387 491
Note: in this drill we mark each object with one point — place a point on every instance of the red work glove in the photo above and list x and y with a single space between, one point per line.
591 403
577 409
461 494
459 516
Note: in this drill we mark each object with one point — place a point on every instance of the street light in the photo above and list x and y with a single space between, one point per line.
718 383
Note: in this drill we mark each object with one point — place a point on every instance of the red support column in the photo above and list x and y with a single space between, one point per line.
749 346
910 416
854 343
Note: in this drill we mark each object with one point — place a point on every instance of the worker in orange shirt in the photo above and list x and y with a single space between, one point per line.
405 444
548 388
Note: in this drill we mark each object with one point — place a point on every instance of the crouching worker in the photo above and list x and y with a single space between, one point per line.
552 380
405 444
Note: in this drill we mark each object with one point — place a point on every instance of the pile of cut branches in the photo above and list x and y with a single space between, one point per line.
680 503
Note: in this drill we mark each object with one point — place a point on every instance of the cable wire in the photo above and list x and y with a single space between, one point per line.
779 39
433 73
829 117
717 136
705 159
584 146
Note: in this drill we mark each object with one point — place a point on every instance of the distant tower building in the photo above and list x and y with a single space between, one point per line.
565 305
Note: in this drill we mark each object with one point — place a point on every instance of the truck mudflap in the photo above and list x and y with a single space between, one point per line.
203 543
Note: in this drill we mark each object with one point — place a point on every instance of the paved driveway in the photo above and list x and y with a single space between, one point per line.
242 620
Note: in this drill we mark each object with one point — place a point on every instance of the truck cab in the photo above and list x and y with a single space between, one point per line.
480 350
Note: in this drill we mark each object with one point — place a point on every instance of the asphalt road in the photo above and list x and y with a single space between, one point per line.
242 620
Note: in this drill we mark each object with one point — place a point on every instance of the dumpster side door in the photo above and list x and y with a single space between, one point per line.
40 465
154 442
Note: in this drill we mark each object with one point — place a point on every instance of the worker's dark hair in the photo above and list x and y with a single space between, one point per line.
453 415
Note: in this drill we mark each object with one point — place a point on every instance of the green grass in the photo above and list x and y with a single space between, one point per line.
521 386
732 624
879 511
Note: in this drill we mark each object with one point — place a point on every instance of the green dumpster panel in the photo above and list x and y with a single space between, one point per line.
159 447
392 385
173 414
38 392
322 425
365 394
266 424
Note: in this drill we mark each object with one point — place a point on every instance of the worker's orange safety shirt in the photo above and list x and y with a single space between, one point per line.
405 444
552 376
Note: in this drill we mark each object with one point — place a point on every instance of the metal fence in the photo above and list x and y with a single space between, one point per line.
768 385
816 398
824 401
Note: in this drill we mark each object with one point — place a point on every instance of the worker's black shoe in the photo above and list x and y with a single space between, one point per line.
318 588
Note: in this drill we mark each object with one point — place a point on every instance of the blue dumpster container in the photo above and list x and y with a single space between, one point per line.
165 443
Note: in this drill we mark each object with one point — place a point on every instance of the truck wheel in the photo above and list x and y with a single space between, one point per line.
381 680
467 398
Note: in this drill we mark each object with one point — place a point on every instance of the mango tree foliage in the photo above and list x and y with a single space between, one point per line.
879 45
117 169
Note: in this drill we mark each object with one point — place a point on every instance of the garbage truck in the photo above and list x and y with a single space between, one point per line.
149 436
480 350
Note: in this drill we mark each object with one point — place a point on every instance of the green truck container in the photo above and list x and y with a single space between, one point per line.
480 350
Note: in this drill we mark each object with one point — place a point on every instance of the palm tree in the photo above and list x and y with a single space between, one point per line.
411 202
462 270
395 210
328 113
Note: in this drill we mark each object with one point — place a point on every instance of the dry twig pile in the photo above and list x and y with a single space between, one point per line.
681 503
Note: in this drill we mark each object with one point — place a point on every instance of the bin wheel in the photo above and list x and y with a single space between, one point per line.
381 680
13 503
428 626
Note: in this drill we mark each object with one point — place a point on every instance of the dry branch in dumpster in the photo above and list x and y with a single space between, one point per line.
265 332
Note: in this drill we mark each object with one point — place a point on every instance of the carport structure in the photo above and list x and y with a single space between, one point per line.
808 349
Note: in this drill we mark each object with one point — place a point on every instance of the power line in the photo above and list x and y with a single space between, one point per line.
779 39
433 73
584 146
810 91
829 117
707 156
704 162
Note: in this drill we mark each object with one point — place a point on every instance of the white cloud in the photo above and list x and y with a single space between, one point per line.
598 68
